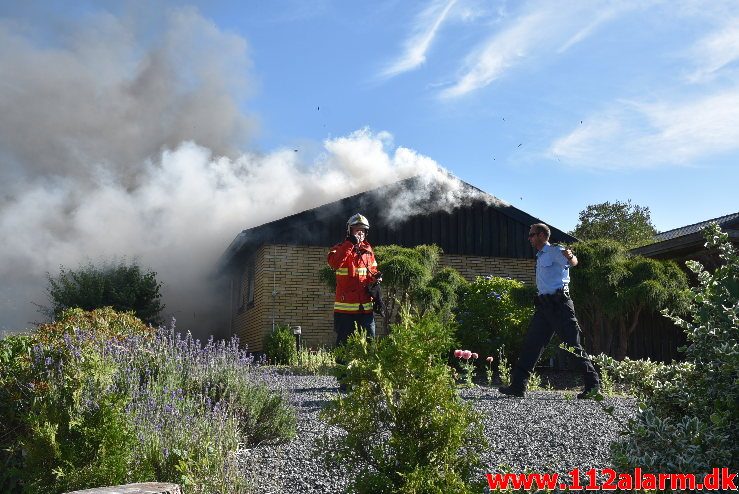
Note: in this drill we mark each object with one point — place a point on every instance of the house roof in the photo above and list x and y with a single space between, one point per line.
464 230
722 221
686 239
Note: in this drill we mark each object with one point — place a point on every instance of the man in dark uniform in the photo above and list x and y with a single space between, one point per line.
554 312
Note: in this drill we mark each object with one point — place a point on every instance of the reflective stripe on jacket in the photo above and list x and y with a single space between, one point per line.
354 272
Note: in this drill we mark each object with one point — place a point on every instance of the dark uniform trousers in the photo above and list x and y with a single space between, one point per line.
554 313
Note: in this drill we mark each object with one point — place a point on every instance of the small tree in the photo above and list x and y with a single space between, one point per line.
125 288
627 223
612 291
649 285
412 279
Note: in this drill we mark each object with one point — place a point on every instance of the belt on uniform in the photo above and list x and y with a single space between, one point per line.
561 295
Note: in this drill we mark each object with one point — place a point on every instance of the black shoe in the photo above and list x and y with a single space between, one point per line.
589 393
511 391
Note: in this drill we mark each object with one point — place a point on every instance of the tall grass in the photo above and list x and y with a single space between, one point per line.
320 361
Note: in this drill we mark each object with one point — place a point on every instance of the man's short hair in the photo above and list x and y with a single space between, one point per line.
542 228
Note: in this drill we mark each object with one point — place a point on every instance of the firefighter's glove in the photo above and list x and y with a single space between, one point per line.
353 239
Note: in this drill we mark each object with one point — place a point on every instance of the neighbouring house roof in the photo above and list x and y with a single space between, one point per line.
683 241
481 225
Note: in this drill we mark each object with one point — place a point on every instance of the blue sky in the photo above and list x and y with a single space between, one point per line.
549 106
157 130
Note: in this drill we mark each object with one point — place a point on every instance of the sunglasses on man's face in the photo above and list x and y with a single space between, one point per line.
533 234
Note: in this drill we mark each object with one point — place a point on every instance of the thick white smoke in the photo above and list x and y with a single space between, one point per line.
112 149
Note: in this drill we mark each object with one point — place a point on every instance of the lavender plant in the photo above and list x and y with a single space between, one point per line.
98 398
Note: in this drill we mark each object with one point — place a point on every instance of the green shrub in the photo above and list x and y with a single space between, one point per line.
689 418
493 314
406 428
98 398
280 347
412 279
124 287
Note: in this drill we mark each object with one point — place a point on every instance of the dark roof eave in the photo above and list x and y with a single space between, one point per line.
678 243
231 251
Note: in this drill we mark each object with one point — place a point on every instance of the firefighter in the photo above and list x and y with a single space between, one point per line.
355 266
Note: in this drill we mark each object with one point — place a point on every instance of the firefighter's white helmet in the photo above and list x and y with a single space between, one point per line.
357 220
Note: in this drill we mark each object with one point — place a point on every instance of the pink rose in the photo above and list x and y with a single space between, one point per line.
466 354
458 353
474 355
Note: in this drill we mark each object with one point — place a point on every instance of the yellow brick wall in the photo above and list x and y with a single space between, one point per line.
287 290
472 266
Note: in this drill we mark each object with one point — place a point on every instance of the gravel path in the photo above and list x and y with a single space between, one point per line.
546 431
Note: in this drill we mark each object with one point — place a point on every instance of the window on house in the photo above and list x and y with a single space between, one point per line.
241 295
250 275
246 286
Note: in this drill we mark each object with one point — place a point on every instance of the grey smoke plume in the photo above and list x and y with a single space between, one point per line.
103 101
114 148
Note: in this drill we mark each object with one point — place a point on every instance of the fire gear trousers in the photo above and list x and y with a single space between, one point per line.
344 325
554 313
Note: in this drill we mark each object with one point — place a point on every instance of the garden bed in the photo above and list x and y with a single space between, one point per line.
545 431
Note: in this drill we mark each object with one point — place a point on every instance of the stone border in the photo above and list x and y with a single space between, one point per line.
141 488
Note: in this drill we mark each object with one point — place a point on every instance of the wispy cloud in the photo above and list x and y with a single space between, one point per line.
688 124
530 35
715 51
424 30
637 135
499 53
600 18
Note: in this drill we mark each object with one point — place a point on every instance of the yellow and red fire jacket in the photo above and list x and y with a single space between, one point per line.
355 269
